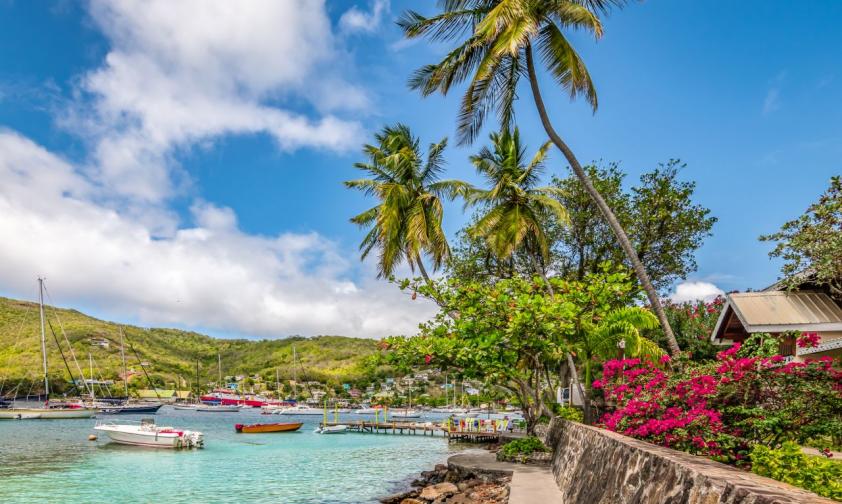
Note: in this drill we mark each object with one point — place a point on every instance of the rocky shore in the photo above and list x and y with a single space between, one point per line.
450 485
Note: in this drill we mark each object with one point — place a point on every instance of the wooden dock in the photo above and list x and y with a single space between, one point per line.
417 429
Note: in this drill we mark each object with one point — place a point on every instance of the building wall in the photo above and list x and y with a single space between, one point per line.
595 466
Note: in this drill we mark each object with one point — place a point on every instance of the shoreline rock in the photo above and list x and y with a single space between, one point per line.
444 485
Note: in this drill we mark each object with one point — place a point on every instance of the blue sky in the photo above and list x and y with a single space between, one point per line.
166 166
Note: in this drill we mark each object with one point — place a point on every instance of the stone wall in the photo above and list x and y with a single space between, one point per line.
595 466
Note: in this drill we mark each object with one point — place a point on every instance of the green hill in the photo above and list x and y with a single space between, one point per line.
171 354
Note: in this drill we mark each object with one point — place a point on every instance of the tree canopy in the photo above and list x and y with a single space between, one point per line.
812 243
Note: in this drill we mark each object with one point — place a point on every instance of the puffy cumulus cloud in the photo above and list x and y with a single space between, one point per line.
694 291
189 71
209 274
356 20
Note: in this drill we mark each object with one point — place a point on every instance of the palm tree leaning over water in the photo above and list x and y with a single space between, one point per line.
406 223
499 39
513 208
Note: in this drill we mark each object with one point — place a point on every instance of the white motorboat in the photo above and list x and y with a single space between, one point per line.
332 429
408 413
366 411
185 407
218 408
299 410
146 433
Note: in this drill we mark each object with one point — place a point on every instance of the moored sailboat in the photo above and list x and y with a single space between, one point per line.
47 412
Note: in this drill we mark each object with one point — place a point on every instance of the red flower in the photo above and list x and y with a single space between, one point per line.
428 358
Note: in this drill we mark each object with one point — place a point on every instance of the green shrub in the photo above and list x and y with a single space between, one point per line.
570 413
519 450
790 465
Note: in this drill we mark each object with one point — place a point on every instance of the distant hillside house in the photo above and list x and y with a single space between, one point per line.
777 312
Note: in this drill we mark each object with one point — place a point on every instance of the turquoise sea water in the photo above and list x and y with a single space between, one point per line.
52 461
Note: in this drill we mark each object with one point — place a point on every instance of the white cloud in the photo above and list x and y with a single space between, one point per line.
183 72
355 20
694 291
210 275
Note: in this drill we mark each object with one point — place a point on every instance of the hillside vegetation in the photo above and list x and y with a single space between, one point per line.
171 354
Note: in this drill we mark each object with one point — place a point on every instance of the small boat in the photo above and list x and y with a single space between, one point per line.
267 427
366 411
185 407
331 429
128 409
146 433
410 413
217 408
299 410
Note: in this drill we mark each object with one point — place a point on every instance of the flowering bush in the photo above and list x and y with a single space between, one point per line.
692 323
722 409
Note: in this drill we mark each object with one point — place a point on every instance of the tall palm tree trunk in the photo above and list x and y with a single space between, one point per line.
625 243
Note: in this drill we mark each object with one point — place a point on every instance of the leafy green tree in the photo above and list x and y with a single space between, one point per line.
407 221
811 245
514 210
498 40
513 333
664 224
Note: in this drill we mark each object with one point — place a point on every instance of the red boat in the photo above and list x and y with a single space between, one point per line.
228 399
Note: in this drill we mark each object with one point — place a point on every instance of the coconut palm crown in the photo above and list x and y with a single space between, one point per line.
514 208
407 222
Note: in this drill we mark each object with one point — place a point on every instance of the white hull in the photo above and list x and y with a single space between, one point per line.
46 414
218 409
190 407
151 436
333 429
405 414
299 411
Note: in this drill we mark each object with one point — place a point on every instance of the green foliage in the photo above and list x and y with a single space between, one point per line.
494 38
513 334
407 221
813 243
171 353
569 413
693 322
519 450
513 208
659 215
790 465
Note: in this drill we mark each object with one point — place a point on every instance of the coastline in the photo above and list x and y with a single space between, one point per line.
448 484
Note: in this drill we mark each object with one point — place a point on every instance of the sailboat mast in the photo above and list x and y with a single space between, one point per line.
123 357
219 366
197 380
43 338
277 383
91 368
294 372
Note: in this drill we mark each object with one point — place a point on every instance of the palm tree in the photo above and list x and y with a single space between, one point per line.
514 209
602 339
496 51
406 223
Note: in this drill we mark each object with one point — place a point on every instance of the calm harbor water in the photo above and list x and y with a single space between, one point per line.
52 461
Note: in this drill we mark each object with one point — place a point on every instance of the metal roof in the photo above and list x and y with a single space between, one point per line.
779 311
